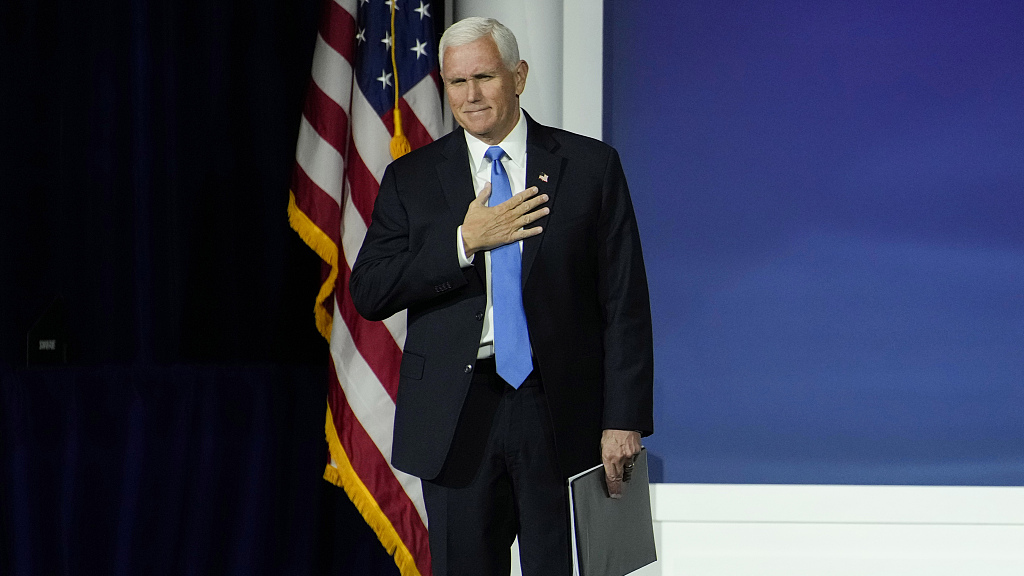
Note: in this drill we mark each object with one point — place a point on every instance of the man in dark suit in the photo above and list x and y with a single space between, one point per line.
528 356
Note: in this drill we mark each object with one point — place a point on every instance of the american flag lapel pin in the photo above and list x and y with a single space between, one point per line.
543 177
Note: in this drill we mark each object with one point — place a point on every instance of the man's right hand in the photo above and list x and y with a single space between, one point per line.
487 227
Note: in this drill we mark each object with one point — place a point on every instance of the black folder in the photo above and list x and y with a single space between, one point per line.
611 537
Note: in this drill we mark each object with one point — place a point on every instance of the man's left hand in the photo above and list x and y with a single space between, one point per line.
618 450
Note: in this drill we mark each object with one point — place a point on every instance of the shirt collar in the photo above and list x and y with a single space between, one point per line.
514 146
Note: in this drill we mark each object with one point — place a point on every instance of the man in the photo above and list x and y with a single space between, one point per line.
528 356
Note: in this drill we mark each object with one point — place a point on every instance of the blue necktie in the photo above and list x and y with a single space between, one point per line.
511 339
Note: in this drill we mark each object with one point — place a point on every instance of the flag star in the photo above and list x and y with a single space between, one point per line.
424 10
384 79
361 2
420 49
390 2
361 36
387 40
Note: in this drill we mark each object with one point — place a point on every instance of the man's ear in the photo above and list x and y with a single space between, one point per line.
522 69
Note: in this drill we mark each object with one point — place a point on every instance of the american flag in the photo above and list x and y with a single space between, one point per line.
342 151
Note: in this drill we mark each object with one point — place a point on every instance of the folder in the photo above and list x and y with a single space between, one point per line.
611 537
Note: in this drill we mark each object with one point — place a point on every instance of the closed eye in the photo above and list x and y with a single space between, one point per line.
478 77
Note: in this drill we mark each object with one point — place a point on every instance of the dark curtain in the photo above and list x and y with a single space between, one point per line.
145 160
173 470
147 150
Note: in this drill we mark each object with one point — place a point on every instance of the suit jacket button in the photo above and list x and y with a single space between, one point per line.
468 368
479 315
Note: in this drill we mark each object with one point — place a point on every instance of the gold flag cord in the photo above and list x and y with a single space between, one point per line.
399 143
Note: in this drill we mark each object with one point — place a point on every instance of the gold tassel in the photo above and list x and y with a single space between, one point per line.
399 143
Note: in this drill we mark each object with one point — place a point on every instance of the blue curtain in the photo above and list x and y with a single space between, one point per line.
829 197
173 470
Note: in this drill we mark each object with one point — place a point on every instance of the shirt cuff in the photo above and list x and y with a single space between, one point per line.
464 262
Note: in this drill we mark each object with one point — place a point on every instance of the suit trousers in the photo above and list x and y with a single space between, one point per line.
501 479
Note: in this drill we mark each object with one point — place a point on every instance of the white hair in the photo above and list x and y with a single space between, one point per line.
469 30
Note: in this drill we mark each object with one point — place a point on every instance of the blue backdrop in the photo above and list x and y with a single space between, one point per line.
831 196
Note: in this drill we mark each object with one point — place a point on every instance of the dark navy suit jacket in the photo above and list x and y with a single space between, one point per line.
584 291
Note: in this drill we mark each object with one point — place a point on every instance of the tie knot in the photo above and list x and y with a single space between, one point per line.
494 153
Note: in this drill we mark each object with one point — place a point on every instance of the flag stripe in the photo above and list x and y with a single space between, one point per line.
348 6
373 340
316 204
424 99
351 369
354 230
327 118
372 139
362 187
374 410
372 469
332 72
320 161
338 28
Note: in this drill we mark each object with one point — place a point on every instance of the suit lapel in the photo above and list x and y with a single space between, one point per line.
543 170
455 176
457 182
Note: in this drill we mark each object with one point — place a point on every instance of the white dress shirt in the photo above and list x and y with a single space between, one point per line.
514 163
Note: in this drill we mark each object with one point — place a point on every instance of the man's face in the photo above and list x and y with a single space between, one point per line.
482 92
